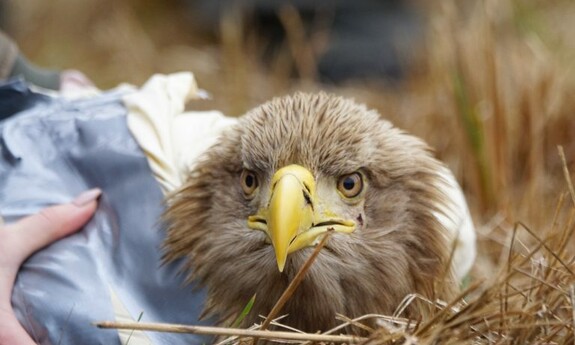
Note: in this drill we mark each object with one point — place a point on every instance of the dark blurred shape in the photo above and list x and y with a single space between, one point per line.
46 78
368 39
15 96
13 64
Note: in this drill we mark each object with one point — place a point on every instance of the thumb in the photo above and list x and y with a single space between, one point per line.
19 240
50 224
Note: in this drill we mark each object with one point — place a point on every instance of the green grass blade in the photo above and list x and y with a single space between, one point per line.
244 312
132 333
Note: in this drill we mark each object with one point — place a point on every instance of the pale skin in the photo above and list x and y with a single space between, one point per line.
21 239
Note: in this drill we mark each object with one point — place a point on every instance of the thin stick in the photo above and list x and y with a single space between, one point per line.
354 323
294 283
219 331
555 256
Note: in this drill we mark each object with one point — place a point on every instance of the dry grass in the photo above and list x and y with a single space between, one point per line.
492 92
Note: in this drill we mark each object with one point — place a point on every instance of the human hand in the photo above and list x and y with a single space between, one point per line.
73 80
21 239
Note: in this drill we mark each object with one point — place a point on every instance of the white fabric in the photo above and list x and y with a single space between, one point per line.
171 138
457 220
122 314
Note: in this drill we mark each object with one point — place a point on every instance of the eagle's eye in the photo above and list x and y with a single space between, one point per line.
249 182
350 185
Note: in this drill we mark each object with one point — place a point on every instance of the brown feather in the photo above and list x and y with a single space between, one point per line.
400 248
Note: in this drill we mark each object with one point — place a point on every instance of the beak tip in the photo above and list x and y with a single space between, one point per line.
281 265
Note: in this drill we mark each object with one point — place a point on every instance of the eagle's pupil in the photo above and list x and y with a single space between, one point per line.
250 181
348 183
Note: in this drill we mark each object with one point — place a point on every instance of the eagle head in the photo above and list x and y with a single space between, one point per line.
290 170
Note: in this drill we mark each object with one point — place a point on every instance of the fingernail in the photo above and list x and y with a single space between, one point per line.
87 197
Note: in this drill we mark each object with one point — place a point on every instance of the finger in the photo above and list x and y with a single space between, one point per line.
19 240
52 223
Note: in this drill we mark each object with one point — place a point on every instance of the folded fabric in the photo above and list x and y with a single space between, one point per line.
111 269
171 138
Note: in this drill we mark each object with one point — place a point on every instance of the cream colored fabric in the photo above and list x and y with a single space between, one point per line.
171 138
122 314
456 219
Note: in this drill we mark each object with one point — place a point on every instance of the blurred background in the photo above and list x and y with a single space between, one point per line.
488 84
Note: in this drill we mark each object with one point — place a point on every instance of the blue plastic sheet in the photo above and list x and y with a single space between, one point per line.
52 149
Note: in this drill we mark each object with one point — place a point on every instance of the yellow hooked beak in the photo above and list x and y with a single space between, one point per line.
294 218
